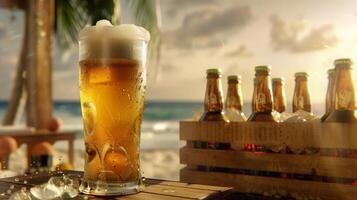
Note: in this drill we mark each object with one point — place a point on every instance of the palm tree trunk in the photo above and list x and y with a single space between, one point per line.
18 92
39 84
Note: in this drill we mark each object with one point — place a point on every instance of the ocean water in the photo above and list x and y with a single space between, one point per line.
160 125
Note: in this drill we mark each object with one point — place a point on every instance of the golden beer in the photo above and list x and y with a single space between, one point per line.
112 87
279 97
262 110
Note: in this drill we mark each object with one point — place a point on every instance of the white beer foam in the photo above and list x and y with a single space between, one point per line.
102 39
105 30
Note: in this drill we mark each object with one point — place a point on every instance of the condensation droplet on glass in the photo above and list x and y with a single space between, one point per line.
43 33
39 22
89 115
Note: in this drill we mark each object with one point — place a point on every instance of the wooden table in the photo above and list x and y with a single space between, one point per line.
31 138
155 189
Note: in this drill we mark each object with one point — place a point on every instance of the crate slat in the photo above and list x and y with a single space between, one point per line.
183 192
286 163
247 184
321 135
186 185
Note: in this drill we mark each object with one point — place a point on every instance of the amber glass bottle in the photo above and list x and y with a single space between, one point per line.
279 94
213 105
234 100
262 96
329 106
344 97
301 98
213 111
234 93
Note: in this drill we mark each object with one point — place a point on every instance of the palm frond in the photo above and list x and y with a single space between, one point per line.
73 15
147 15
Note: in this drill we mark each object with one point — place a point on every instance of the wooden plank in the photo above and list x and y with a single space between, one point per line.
188 185
323 135
288 163
183 192
149 196
247 184
36 179
155 189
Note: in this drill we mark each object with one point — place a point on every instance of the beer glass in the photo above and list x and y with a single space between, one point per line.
112 86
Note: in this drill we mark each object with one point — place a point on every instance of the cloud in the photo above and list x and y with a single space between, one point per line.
288 36
208 27
3 31
174 6
241 51
168 68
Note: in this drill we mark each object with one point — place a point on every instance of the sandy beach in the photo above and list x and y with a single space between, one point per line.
159 163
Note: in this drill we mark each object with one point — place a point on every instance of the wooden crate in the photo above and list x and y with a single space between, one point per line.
332 136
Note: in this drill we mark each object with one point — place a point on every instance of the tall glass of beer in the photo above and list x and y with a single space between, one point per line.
112 87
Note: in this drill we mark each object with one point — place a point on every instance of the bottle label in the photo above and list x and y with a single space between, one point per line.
233 100
300 102
344 98
212 98
261 100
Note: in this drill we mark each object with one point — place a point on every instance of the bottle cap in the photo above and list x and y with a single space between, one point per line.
234 78
278 79
214 71
330 71
300 74
262 68
343 61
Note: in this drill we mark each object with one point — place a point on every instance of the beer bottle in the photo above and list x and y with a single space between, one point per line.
213 106
301 98
234 101
262 96
213 111
279 95
329 94
344 98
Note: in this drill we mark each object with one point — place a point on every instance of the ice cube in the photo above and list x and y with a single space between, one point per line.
23 194
64 187
235 116
284 116
303 116
89 116
71 185
46 193
295 118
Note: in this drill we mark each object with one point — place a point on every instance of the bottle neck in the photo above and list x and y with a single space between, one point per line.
262 96
279 97
234 96
329 103
301 99
213 97
344 89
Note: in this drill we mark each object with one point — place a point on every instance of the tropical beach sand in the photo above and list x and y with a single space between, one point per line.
159 163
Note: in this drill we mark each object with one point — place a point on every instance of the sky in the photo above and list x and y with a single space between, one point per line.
234 35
